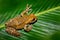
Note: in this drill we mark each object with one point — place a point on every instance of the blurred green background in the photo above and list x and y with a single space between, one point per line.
47 26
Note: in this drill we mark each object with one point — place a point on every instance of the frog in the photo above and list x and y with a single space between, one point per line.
23 21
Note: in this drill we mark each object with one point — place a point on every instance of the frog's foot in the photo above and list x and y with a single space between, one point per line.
28 27
28 7
12 31
26 11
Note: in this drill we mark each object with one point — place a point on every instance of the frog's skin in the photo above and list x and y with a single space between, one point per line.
20 22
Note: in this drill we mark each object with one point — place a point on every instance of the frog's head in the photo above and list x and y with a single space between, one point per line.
32 18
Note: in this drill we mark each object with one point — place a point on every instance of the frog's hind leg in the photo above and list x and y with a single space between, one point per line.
12 31
28 28
26 10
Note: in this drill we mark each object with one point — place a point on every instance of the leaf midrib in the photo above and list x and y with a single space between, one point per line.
46 11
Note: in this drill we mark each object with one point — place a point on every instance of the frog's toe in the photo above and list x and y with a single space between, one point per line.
28 28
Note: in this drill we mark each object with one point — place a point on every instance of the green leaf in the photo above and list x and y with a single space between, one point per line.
47 26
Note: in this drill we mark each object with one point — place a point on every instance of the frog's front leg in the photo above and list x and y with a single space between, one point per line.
12 31
28 27
26 11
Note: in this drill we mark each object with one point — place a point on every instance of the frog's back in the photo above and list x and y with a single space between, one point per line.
16 21
21 19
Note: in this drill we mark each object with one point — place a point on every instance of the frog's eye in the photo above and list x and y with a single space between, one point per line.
34 20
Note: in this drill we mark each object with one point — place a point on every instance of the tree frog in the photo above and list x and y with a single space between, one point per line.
22 21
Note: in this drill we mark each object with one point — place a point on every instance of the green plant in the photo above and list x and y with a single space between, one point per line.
47 26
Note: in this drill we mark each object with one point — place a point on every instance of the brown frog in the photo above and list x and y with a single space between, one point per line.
22 21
